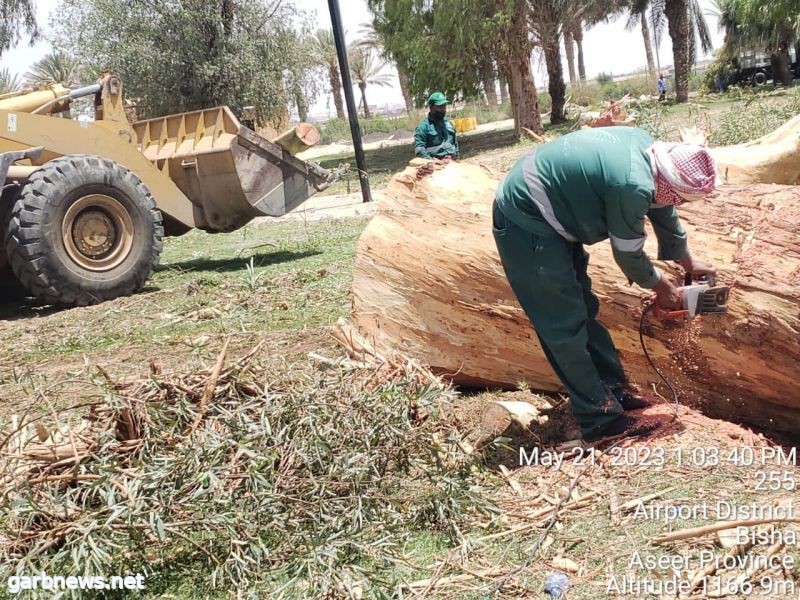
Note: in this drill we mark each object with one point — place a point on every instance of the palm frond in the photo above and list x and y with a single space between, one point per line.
55 67
366 67
9 82
324 45
369 37
697 21
658 19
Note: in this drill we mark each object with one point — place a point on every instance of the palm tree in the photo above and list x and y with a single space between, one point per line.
365 69
687 26
372 40
548 19
587 13
569 48
55 67
637 11
325 49
576 29
9 82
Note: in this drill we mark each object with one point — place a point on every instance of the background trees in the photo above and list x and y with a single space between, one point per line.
454 45
177 55
19 18
325 49
773 26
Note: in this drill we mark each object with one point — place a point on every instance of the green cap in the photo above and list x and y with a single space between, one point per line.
437 98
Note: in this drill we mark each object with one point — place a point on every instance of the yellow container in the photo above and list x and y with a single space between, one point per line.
464 124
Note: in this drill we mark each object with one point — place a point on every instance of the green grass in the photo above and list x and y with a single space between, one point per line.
302 277
201 292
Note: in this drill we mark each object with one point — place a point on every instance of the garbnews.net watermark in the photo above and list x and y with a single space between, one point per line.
54 583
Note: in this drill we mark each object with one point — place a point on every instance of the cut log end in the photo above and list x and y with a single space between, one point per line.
298 139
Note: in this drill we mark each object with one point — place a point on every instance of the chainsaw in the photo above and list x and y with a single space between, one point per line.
698 297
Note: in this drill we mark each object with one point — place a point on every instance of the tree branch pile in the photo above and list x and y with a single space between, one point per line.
314 478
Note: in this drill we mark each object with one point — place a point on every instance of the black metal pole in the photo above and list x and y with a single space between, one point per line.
352 113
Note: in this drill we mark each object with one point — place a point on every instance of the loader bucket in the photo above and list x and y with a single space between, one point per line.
229 173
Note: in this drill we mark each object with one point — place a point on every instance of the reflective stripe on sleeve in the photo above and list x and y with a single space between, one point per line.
540 197
623 245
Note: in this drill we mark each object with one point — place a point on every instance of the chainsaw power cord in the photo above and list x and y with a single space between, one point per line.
646 309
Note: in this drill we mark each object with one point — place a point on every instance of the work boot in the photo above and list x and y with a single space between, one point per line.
629 400
622 425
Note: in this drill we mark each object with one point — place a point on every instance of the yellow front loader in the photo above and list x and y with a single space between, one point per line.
86 203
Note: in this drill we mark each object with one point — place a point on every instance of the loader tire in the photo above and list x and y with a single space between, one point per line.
83 230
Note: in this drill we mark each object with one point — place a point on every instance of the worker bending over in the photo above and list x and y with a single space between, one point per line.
580 189
435 136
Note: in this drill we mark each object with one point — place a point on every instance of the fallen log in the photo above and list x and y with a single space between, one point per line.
298 139
428 283
773 158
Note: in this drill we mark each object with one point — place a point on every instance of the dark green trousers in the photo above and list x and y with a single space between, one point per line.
549 277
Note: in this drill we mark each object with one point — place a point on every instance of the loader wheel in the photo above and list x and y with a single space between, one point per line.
83 230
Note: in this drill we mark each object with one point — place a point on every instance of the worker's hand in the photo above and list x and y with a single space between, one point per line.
697 267
669 298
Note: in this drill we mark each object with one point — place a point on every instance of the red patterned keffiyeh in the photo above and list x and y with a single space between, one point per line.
682 172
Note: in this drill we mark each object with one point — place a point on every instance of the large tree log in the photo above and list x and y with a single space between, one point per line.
773 158
428 283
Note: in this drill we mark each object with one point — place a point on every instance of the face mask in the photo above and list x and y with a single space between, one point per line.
437 116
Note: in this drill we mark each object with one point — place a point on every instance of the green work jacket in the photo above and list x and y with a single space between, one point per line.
435 140
592 185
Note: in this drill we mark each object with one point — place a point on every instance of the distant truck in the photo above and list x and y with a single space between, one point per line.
755 67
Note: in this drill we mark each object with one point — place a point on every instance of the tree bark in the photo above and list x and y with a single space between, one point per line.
503 89
336 90
551 46
516 56
302 105
677 12
428 284
487 75
407 99
577 33
648 45
569 48
363 88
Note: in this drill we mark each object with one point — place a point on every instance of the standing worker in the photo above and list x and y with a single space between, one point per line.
662 88
580 189
435 136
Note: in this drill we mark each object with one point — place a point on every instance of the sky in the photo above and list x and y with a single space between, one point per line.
607 48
